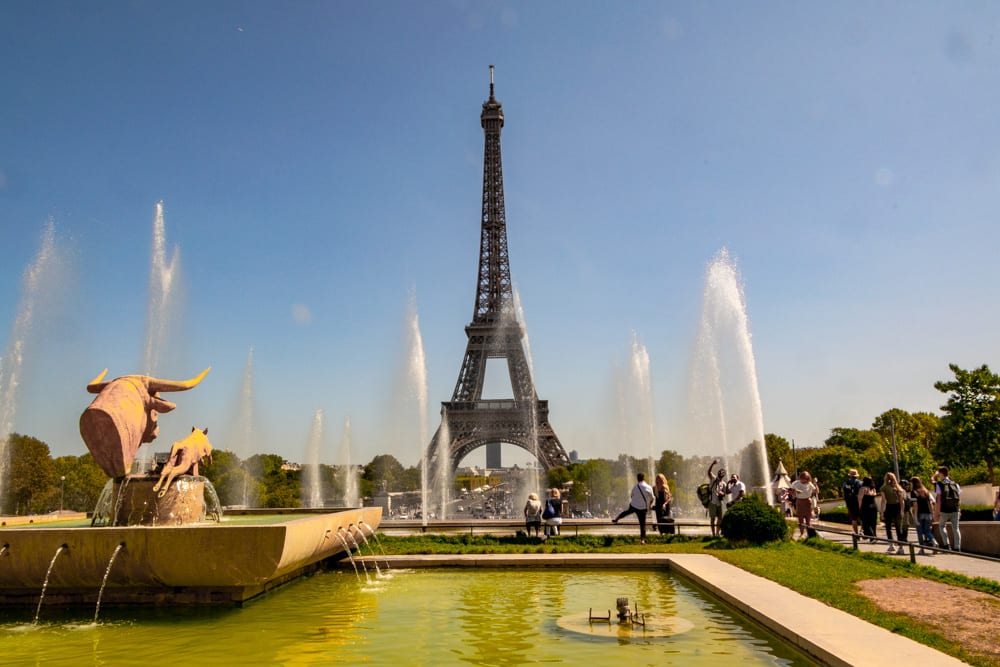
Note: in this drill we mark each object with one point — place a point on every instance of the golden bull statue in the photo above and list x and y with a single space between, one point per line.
123 416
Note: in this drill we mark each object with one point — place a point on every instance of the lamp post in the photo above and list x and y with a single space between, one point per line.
62 491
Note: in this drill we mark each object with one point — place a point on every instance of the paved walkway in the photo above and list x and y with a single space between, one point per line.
968 564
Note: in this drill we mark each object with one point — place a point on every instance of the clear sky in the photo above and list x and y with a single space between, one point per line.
320 165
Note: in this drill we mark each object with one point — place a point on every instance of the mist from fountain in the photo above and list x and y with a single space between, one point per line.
443 472
531 478
162 280
416 380
33 282
246 444
349 472
724 395
642 386
312 480
161 308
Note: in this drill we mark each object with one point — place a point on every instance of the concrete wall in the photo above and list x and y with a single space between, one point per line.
978 537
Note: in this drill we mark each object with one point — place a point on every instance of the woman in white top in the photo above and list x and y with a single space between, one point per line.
804 491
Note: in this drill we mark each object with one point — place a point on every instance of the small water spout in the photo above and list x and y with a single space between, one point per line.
104 581
45 585
347 548
4 549
350 534
371 550
378 541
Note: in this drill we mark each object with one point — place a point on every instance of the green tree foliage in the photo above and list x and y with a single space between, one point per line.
83 484
829 465
279 487
384 472
912 435
778 449
970 430
233 480
31 475
852 438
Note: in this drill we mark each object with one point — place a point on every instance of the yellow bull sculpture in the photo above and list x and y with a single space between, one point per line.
185 455
124 415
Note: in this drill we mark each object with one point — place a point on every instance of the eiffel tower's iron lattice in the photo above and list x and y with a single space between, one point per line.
468 421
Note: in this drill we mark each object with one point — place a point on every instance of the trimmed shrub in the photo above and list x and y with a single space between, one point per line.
753 520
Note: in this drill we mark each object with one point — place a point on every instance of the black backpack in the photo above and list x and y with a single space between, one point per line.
950 497
851 488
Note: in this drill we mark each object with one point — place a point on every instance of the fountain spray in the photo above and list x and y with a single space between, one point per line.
11 364
724 391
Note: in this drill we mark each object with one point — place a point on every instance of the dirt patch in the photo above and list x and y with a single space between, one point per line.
973 623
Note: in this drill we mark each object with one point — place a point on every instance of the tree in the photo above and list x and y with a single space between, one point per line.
911 435
778 449
31 474
970 429
279 487
83 484
828 465
384 473
852 438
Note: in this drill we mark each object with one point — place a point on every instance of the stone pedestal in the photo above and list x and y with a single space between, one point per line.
138 504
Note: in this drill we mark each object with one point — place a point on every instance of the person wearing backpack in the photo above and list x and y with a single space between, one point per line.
948 508
851 491
892 509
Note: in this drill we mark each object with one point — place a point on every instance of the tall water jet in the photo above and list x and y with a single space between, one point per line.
350 473
643 388
724 395
162 294
312 491
531 475
33 281
161 306
417 383
246 431
442 473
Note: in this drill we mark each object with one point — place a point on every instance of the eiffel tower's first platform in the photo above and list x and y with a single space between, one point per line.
469 422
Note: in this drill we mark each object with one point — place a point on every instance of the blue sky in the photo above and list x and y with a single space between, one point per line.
320 164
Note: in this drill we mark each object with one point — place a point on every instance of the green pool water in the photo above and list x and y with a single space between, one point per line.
412 617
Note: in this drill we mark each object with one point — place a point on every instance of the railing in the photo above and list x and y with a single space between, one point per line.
512 526
856 539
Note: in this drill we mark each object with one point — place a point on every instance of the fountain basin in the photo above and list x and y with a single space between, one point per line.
204 563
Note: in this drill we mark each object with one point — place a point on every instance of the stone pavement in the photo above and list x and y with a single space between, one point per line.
968 564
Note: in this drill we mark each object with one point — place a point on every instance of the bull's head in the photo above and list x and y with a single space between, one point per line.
123 416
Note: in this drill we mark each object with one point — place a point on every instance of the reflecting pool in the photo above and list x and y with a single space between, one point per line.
412 617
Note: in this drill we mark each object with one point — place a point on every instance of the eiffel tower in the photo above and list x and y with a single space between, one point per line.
469 422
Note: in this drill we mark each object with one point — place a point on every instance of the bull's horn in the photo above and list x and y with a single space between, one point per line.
154 385
95 386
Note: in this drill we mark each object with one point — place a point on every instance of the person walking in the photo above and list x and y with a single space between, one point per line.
892 507
661 504
804 491
851 491
640 500
533 514
924 507
948 506
869 508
